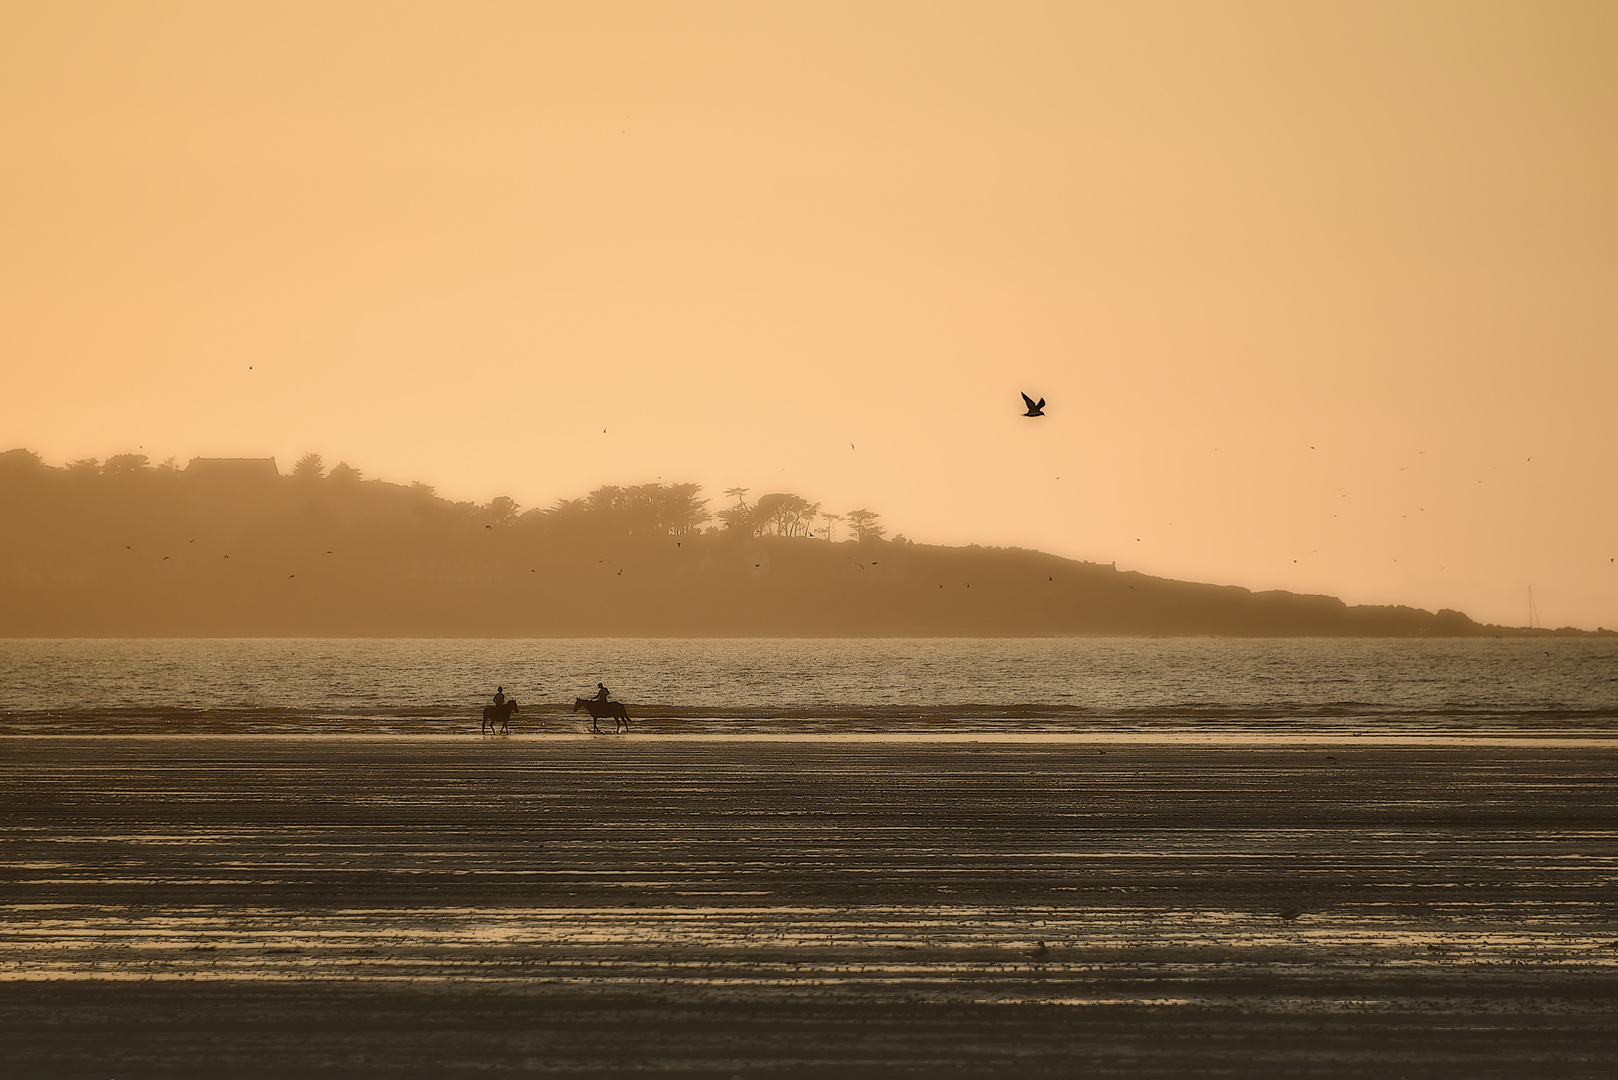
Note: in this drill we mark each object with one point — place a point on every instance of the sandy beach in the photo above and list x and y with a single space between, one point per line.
202 905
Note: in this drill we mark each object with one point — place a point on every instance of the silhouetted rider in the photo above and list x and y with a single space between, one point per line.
499 695
601 692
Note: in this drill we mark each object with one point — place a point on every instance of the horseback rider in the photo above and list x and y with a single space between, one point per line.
500 712
601 706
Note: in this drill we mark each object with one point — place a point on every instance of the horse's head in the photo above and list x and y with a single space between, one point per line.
578 703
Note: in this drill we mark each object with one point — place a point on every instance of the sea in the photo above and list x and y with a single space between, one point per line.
1500 687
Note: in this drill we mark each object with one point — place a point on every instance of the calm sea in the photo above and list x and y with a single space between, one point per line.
1078 685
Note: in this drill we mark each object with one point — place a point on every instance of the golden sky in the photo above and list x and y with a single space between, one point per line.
1322 296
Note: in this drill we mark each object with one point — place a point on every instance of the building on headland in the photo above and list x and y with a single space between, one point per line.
234 470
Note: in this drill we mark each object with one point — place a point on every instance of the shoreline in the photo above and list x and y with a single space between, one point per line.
1265 740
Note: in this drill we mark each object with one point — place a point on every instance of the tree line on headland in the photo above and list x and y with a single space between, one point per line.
230 547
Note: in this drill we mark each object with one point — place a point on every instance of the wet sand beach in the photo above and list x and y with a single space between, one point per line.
204 905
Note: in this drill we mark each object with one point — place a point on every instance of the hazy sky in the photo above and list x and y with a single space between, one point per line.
1322 296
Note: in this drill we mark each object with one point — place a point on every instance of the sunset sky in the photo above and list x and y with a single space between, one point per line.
1322 296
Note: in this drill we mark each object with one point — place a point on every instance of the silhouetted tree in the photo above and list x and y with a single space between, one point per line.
672 509
124 464
739 493
502 510
784 514
605 499
22 461
737 517
88 466
863 522
565 508
831 521
309 467
680 511
344 473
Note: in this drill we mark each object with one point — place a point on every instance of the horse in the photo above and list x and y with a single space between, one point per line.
598 708
501 713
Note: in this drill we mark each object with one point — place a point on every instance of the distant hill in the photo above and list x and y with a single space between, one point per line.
230 547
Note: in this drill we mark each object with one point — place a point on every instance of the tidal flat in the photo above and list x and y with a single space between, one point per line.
264 906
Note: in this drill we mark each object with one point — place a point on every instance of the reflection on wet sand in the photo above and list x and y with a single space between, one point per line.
1245 906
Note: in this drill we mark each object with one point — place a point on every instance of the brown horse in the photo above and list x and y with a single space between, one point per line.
498 713
598 708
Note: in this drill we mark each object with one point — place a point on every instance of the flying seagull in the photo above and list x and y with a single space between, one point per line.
1034 409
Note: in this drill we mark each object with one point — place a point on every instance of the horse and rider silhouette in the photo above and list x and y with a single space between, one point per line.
598 707
500 712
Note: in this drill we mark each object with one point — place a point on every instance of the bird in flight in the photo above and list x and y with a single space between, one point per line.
1033 408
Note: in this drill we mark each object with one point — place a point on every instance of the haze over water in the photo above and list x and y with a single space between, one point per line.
1072 685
